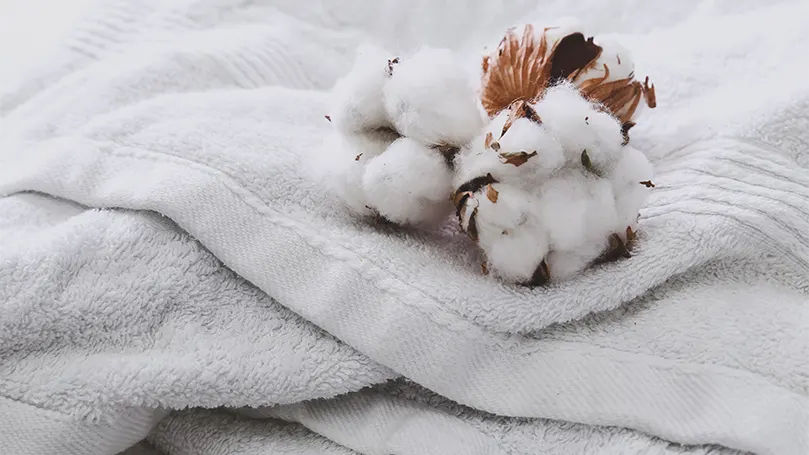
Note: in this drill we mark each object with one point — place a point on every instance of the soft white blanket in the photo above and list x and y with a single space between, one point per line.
255 290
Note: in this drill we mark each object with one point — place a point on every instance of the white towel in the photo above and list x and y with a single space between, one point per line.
207 113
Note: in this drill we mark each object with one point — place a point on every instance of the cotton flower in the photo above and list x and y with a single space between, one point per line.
344 157
409 183
536 162
398 122
356 99
548 187
430 98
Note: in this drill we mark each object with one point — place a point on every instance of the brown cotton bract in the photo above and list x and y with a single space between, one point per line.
526 65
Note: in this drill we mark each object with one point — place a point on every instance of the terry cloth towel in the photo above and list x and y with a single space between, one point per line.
164 246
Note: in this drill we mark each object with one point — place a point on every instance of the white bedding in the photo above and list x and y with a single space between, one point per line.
207 113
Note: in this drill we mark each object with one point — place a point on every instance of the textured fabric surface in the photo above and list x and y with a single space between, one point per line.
256 289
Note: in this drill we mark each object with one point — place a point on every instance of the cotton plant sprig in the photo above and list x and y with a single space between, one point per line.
397 124
551 185
536 162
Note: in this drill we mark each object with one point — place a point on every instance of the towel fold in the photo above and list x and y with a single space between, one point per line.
164 244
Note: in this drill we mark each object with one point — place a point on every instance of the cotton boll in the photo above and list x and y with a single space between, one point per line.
579 126
501 209
564 265
528 136
507 230
632 167
601 210
523 136
409 184
584 192
628 202
496 124
597 224
474 159
343 161
564 210
575 208
608 136
430 98
630 194
356 103
515 257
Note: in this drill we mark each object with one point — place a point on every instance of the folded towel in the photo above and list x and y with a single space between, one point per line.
208 113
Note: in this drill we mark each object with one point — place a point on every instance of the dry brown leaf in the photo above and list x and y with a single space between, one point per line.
517 159
474 185
489 139
491 193
617 249
495 146
647 184
472 227
448 152
484 268
541 276
619 97
572 56
649 93
459 200
357 158
519 72
458 197
630 235
391 63
625 127
520 109
524 67
619 246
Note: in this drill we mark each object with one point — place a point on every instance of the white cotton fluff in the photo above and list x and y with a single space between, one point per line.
527 136
522 136
552 207
561 28
430 98
566 264
576 208
578 125
356 104
510 232
630 195
409 184
343 161
474 159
